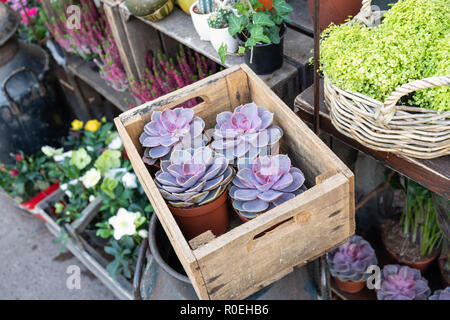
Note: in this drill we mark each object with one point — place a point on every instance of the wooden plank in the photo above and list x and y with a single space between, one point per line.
238 263
141 40
433 174
114 19
83 71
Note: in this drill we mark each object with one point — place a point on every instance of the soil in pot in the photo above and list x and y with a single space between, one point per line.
349 286
402 250
335 11
212 216
266 57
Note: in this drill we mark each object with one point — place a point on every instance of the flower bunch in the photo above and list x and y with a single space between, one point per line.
32 27
164 75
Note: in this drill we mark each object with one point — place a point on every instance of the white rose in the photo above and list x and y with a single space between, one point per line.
91 178
61 157
143 233
129 180
115 144
123 223
50 152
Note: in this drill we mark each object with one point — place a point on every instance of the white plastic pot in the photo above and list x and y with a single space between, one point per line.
219 36
200 22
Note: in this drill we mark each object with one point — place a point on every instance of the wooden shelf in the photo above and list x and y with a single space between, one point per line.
178 26
83 70
433 174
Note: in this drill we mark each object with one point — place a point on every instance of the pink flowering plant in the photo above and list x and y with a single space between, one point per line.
32 27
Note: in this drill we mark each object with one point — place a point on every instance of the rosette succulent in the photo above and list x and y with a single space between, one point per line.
171 129
402 283
246 133
263 183
193 177
441 294
349 262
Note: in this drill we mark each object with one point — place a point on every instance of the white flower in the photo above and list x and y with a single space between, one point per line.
91 178
61 157
143 233
111 174
129 180
65 186
91 198
89 148
50 152
115 144
123 223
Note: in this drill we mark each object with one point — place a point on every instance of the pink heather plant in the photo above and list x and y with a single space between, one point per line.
164 75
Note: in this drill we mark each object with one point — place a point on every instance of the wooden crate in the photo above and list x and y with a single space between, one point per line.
236 264
92 258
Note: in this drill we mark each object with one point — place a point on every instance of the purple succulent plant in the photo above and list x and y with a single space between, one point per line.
193 177
171 130
441 294
402 283
263 183
246 133
349 262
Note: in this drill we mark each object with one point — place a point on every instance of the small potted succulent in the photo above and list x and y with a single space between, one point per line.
200 12
194 183
349 262
441 294
218 31
247 132
414 240
264 183
402 283
260 28
171 130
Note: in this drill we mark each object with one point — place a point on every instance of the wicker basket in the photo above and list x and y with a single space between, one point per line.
410 131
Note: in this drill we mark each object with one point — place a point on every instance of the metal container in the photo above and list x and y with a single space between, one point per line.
31 102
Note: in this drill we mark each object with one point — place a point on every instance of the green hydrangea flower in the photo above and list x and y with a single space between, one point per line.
80 159
109 159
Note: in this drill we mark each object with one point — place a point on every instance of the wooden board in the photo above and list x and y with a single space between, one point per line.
80 248
433 174
236 264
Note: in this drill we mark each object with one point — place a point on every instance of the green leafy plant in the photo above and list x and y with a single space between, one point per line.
419 218
109 159
219 18
410 44
125 254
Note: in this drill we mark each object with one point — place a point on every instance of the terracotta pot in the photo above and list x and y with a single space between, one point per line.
420 265
335 11
244 219
212 216
349 286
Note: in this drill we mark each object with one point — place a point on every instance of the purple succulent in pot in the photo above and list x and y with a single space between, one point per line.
349 262
193 177
246 133
171 130
402 283
263 183
441 294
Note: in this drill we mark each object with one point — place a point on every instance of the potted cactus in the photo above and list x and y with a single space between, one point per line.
414 240
441 294
349 262
218 31
264 183
402 283
194 183
247 132
171 130
200 12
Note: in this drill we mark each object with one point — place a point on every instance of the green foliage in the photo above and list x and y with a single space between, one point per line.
108 186
219 18
80 159
419 218
257 24
125 253
109 159
411 43
223 49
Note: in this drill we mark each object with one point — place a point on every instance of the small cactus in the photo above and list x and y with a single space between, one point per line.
205 6
219 18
